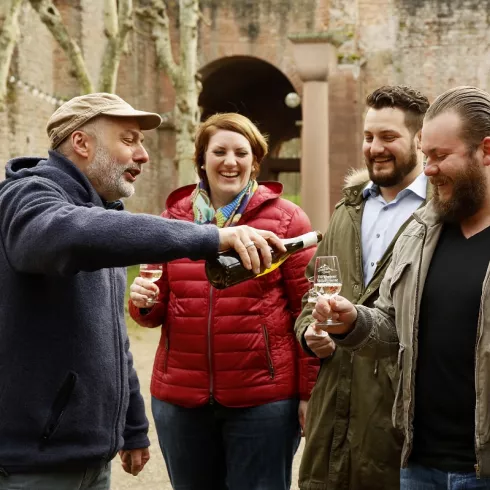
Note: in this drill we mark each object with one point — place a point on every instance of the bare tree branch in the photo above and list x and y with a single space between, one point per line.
156 15
9 33
117 27
183 76
51 17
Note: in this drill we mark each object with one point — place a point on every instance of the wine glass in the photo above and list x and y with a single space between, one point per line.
313 298
312 294
327 282
152 272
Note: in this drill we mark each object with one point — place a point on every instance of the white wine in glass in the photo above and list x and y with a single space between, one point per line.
327 281
152 272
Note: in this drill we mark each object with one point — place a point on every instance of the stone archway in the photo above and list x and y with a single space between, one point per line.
256 89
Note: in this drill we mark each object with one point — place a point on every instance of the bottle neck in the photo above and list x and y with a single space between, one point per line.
308 239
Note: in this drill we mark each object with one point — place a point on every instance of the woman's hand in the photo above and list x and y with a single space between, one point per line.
142 291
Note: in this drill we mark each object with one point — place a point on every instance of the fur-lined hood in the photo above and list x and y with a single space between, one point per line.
355 177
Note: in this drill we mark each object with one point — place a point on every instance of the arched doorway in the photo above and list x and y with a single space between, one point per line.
257 90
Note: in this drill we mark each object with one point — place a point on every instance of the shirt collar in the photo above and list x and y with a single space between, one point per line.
417 187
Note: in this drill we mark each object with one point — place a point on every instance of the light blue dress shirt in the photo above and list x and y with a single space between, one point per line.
381 220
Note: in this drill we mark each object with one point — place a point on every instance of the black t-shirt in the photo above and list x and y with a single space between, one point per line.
444 424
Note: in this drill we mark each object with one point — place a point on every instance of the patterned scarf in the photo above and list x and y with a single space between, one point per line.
228 215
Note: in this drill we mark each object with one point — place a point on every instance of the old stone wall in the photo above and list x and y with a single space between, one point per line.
430 44
43 71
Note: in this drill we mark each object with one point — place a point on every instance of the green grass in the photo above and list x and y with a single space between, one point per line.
293 198
133 327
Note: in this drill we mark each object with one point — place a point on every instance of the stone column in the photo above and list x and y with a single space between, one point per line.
315 56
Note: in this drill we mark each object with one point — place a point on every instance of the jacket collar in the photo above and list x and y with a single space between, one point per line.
355 183
428 215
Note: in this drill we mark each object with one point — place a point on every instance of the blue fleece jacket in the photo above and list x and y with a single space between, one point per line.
69 395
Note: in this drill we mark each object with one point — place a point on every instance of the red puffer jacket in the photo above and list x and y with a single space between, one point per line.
236 345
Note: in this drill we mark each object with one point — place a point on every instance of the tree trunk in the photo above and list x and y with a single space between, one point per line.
9 33
117 27
51 17
187 113
183 76
186 122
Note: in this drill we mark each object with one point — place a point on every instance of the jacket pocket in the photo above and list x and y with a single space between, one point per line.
397 413
270 364
398 275
59 406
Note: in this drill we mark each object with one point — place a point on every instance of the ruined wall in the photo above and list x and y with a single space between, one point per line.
258 29
228 28
430 44
43 75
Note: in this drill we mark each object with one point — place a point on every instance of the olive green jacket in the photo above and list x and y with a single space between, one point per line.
350 439
394 322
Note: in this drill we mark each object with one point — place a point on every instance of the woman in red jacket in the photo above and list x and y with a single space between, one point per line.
230 384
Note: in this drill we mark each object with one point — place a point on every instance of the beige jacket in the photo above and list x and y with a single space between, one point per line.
394 320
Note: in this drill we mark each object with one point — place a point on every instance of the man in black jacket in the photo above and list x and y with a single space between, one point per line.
69 395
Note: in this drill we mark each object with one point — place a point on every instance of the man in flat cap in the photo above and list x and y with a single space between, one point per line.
69 395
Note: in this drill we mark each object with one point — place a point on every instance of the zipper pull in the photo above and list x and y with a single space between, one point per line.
211 399
376 363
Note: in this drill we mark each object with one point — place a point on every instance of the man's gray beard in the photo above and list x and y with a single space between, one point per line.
469 191
106 175
400 170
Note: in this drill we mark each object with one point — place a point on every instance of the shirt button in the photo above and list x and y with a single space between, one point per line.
372 263
377 235
358 207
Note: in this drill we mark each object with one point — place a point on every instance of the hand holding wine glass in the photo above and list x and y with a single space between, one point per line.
143 291
312 299
341 308
327 283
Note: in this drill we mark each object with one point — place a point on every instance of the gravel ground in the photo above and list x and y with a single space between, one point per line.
154 476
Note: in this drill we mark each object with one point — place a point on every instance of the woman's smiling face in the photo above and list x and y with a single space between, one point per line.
228 165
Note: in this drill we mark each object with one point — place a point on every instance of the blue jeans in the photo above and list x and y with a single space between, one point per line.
219 448
417 477
90 479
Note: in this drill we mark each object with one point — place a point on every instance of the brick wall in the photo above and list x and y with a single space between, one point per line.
429 44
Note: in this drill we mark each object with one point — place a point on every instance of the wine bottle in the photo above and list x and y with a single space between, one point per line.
226 269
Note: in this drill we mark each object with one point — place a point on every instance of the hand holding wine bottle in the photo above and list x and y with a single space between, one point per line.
252 245
226 269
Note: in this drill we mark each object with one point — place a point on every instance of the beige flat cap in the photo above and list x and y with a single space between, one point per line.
77 111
